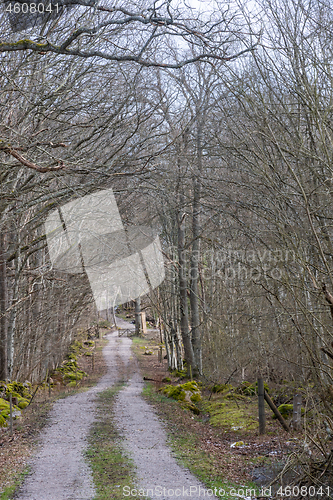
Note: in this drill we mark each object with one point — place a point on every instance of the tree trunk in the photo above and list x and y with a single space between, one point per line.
184 323
138 325
3 307
195 256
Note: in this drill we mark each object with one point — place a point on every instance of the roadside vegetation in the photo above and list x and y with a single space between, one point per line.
213 428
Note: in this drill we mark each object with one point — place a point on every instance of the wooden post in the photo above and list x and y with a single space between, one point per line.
11 413
276 412
138 324
261 406
114 317
297 411
143 322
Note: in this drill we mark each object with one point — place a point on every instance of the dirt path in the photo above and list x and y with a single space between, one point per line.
59 472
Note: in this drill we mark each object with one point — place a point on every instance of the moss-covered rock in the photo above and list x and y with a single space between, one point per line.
71 384
188 392
192 407
89 343
16 389
195 397
22 403
230 415
179 373
286 410
5 412
3 404
72 357
234 396
249 389
218 388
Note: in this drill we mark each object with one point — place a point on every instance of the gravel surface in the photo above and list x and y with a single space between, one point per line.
59 471
145 440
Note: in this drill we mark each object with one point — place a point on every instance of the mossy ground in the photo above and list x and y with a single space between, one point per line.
231 415
112 468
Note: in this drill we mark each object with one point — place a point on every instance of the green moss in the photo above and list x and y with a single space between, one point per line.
23 403
195 397
3 421
89 343
76 376
75 348
174 392
16 389
230 415
3 404
249 389
70 371
217 388
179 392
191 407
286 410
234 396
190 386
15 395
179 373
166 380
72 357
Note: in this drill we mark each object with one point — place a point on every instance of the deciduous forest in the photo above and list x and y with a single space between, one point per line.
212 124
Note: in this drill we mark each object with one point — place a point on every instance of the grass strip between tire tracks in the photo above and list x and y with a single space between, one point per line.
111 466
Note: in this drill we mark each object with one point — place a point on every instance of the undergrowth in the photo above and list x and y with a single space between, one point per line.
9 491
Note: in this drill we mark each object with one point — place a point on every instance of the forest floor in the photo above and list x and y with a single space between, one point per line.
201 445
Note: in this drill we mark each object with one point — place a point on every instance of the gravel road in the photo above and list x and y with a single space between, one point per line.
59 471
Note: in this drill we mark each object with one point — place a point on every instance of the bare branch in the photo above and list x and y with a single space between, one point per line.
13 152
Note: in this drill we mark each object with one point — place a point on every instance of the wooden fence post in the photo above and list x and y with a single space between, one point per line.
143 322
297 411
276 412
261 406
